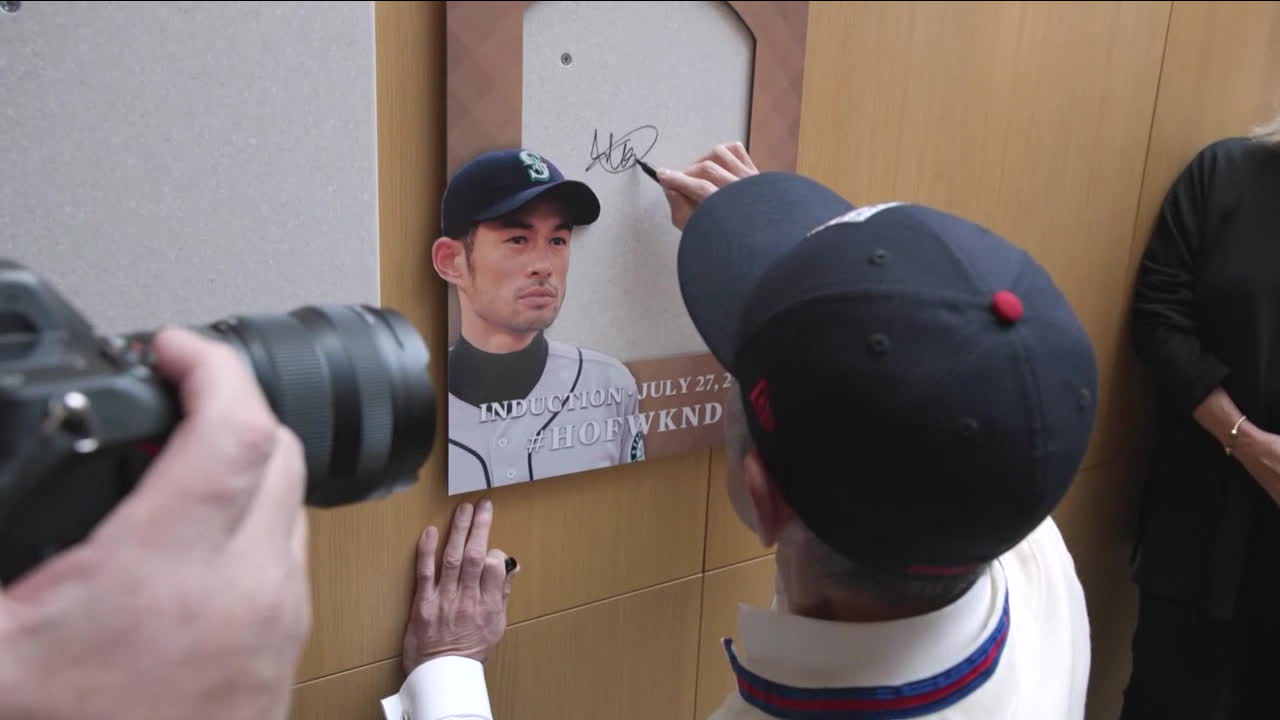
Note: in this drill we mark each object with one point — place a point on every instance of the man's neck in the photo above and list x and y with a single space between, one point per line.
492 339
810 596
845 607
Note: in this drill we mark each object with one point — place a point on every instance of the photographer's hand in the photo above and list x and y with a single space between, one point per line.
190 599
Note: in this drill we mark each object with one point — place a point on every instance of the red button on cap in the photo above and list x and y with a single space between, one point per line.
1006 306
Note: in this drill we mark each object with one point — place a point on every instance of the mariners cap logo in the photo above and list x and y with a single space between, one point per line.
636 453
534 165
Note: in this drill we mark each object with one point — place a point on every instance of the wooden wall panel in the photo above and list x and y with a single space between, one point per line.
722 591
634 656
1029 117
1221 76
629 657
351 695
578 539
728 540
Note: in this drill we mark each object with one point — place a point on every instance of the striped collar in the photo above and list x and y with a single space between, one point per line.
804 669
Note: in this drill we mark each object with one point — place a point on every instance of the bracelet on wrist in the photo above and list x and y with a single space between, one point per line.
1235 433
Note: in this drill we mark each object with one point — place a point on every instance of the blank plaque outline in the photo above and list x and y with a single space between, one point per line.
484 110
599 95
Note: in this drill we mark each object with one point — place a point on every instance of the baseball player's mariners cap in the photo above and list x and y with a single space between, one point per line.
917 386
493 184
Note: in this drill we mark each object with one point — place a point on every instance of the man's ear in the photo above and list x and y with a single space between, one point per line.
448 256
772 513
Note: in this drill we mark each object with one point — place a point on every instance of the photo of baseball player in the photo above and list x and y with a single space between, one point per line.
523 407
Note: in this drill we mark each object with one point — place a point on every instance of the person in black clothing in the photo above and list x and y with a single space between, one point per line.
1206 322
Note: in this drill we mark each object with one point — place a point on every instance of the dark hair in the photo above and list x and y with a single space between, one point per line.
915 593
467 240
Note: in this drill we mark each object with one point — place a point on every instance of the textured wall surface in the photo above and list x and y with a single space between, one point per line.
179 161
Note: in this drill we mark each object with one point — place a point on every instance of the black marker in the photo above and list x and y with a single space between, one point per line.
648 170
511 564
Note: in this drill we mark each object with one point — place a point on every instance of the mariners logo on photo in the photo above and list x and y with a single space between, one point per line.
538 171
637 447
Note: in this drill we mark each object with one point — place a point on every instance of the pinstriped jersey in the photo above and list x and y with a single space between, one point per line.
581 415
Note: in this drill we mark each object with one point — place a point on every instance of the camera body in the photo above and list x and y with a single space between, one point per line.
82 415
77 415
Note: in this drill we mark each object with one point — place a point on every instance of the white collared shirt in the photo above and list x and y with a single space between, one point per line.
447 688
1016 646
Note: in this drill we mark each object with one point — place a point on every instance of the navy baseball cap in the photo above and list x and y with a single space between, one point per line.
917 386
495 183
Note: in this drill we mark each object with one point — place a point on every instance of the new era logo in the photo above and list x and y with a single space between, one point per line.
761 406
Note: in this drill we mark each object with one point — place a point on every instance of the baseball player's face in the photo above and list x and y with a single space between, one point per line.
514 280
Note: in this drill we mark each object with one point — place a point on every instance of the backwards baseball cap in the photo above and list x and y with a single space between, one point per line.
918 387
495 183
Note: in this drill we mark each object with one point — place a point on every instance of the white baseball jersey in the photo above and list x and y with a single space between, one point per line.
581 415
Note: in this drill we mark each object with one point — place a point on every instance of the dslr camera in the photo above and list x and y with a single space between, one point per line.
82 415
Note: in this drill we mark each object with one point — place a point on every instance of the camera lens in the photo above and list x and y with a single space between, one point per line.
352 382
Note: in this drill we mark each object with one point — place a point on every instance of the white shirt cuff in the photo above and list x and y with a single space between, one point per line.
447 688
